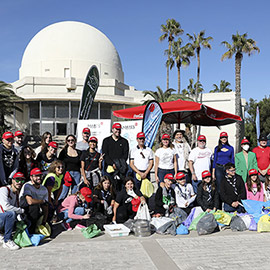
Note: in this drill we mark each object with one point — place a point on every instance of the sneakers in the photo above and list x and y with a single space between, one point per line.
10 245
79 226
66 226
1 238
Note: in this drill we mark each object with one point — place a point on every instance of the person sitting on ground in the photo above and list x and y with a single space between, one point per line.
127 202
83 144
207 195
184 193
266 186
9 209
232 190
104 197
45 140
253 186
165 197
72 207
34 199
18 141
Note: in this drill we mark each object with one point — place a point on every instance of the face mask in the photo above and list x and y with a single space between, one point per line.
246 147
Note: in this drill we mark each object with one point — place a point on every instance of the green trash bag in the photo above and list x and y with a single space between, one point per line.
21 237
91 231
195 221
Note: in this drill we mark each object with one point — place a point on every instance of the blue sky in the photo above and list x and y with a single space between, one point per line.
134 29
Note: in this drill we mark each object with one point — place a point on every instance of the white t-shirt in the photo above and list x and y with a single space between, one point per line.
266 192
165 156
184 194
201 160
180 155
141 157
29 189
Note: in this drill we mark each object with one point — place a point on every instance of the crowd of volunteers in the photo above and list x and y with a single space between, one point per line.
49 185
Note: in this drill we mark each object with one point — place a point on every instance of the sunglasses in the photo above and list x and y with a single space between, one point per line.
202 141
10 139
71 140
19 180
141 139
60 167
232 170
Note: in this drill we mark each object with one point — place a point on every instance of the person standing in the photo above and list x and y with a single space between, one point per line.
18 140
83 144
199 161
262 153
9 160
141 160
245 160
115 149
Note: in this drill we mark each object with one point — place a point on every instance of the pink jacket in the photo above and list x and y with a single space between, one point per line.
257 197
70 203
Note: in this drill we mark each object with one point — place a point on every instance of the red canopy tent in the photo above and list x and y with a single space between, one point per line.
181 111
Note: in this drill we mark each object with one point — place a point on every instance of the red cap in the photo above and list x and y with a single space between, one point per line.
117 126
35 171
223 134
180 176
86 192
268 172
86 130
252 172
201 138
8 135
169 176
53 144
206 174
165 137
93 139
18 175
140 135
245 141
18 133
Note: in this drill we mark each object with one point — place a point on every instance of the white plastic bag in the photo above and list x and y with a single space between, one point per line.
247 220
143 212
160 221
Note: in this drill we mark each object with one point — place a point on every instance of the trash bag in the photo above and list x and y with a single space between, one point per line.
129 224
206 225
160 221
21 236
223 217
264 224
167 228
182 229
253 225
237 224
91 231
190 217
195 221
246 219
43 229
179 215
143 212
36 238
147 188
254 207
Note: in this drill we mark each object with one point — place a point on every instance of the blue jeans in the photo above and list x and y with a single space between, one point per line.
74 187
162 172
220 174
7 221
229 208
195 185
64 214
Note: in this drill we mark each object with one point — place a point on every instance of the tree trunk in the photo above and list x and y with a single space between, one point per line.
178 73
198 73
168 66
238 60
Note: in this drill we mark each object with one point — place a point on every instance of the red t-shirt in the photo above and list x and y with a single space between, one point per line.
263 156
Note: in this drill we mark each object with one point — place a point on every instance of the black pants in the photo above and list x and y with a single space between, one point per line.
33 214
124 212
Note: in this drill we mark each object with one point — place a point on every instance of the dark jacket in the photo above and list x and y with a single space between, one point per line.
203 196
159 200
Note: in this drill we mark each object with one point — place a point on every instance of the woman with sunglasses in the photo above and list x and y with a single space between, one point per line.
71 159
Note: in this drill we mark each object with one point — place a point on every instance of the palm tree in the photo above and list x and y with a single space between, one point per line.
222 88
240 45
198 41
7 104
191 89
171 29
180 57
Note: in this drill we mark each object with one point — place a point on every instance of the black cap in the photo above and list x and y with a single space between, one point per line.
262 138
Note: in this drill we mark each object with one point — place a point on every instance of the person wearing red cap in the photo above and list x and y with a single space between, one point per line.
9 209
18 140
45 159
165 159
184 193
72 207
266 186
165 197
254 187
141 160
9 159
199 161
263 156
207 194
83 144
245 160
116 149
223 154
34 199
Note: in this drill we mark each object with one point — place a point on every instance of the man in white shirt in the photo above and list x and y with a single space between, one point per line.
141 160
199 161
9 209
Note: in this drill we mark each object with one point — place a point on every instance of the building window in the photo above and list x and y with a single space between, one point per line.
48 109
105 110
61 129
75 109
62 110
34 110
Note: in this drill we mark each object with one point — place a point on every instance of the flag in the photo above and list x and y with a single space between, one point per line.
151 120
258 123
90 87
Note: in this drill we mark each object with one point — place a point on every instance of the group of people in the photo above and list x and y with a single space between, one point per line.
78 182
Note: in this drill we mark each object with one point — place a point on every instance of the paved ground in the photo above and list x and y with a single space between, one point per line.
70 250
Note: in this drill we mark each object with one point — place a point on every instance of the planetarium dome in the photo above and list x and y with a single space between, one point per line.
69 49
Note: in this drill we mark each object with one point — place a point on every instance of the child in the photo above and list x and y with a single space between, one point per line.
207 195
184 193
253 186
266 186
